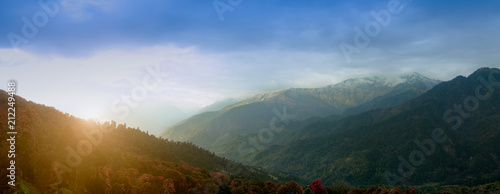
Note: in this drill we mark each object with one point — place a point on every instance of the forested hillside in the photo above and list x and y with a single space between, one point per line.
449 135
56 152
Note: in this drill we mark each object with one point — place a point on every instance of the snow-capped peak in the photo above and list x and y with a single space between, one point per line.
415 78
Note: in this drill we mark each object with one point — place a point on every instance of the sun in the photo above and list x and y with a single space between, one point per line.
89 113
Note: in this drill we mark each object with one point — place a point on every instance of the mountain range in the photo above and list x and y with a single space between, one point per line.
397 145
363 131
404 132
223 131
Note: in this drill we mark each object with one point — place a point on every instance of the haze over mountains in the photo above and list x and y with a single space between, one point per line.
379 145
357 129
215 129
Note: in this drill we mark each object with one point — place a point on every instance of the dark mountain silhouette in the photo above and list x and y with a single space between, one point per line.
450 134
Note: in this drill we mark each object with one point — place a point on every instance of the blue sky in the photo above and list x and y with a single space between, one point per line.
88 55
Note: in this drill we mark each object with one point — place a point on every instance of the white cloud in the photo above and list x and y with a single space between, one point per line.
81 86
87 86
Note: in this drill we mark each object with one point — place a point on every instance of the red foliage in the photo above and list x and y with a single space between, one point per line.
238 190
104 174
236 183
316 187
291 187
271 187
180 183
168 186
187 167
220 178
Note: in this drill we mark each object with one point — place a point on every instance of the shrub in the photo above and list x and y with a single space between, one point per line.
316 187
290 188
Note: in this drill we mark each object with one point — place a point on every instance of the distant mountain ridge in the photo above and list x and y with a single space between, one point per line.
217 130
396 84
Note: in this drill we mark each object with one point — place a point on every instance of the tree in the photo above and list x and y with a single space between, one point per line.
316 187
169 187
180 183
271 187
290 188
